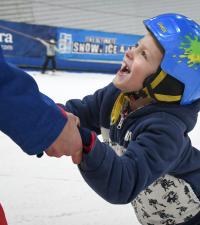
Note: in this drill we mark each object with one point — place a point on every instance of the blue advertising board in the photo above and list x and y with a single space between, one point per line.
80 50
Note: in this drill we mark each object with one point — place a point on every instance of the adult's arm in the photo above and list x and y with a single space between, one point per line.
28 117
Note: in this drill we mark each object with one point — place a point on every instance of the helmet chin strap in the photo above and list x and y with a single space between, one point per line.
159 87
163 88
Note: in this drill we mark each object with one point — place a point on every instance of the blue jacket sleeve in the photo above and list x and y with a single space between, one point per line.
155 149
28 117
94 110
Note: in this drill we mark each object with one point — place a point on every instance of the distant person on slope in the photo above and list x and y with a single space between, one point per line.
51 50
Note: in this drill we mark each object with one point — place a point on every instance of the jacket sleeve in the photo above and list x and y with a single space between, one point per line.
43 42
155 149
28 117
94 110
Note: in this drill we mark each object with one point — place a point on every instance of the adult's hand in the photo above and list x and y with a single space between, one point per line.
68 142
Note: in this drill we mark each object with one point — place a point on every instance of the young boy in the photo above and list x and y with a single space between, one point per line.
145 115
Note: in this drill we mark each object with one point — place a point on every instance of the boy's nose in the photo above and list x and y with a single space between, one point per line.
129 53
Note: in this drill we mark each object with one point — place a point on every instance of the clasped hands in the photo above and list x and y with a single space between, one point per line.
69 141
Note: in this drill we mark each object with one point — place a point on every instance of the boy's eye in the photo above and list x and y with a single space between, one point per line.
143 53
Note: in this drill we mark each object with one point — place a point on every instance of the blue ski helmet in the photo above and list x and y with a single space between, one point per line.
179 36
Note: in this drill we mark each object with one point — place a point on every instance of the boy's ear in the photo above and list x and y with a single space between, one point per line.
164 88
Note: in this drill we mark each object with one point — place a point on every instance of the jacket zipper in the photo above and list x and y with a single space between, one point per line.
119 126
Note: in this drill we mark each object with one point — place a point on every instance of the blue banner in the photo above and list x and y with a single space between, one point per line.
80 50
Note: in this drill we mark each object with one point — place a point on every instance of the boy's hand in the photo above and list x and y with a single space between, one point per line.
68 142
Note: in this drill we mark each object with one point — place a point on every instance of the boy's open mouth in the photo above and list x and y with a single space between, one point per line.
124 68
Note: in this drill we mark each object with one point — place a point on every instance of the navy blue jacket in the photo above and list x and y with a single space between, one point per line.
28 117
159 146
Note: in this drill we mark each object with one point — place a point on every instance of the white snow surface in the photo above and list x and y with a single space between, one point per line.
51 191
